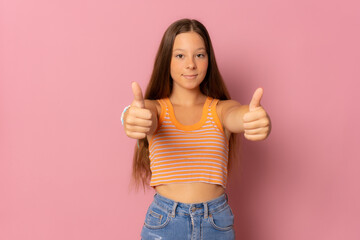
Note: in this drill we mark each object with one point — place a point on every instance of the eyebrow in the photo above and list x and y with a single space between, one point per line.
184 50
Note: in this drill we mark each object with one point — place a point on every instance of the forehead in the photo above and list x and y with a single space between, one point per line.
188 41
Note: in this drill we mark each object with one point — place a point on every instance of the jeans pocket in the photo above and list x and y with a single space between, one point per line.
156 217
223 219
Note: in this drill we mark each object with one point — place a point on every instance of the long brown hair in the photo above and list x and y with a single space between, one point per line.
160 86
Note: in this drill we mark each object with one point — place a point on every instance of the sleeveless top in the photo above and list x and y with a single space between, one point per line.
188 153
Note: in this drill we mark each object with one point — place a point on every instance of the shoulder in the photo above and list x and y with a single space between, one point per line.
225 106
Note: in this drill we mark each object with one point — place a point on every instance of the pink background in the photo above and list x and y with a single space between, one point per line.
65 76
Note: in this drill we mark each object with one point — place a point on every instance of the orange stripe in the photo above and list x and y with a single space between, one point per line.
178 164
157 171
163 156
175 176
187 181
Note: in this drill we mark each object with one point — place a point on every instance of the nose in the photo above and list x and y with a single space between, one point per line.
191 63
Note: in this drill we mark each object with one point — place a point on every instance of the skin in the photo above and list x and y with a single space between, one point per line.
190 58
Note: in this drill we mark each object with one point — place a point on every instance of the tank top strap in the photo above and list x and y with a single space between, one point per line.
164 109
213 112
213 102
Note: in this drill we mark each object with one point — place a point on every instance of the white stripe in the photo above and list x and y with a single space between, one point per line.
191 167
205 148
187 174
178 142
164 162
169 180
200 141
164 130
187 156
205 151
163 145
209 171
200 148
175 135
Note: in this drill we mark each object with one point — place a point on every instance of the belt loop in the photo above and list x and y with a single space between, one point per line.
206 210
226 197
174 209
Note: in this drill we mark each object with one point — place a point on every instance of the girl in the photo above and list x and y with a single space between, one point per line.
185 128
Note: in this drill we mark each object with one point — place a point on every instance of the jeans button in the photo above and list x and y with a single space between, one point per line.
193 209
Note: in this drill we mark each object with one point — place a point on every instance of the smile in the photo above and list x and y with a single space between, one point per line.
190 76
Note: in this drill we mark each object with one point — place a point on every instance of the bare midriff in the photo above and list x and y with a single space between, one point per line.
196 192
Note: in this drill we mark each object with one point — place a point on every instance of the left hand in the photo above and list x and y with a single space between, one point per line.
256 122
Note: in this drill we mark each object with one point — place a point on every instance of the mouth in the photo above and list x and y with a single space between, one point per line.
190 76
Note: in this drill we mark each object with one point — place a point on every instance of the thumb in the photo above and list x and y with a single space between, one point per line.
138 96
255 101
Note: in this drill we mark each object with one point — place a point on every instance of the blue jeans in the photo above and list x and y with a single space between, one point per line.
170 220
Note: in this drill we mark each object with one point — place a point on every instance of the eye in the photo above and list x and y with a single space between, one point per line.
179 56
200 55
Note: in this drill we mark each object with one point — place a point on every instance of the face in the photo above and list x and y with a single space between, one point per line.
189 61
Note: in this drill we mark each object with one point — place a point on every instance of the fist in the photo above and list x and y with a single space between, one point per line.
137 119
256 122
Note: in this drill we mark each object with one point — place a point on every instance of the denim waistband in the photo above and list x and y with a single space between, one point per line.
203 208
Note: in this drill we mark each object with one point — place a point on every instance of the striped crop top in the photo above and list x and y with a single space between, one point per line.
188 153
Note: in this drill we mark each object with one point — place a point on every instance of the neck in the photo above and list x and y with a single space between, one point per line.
187 98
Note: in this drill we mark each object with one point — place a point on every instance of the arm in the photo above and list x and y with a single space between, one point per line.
251 119
151 105
232 114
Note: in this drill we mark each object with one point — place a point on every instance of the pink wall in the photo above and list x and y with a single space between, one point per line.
65 76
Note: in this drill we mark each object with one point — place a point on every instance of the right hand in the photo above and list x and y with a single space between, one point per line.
137 119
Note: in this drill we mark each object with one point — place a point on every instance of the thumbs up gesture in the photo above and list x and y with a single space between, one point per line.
256 122
138 120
